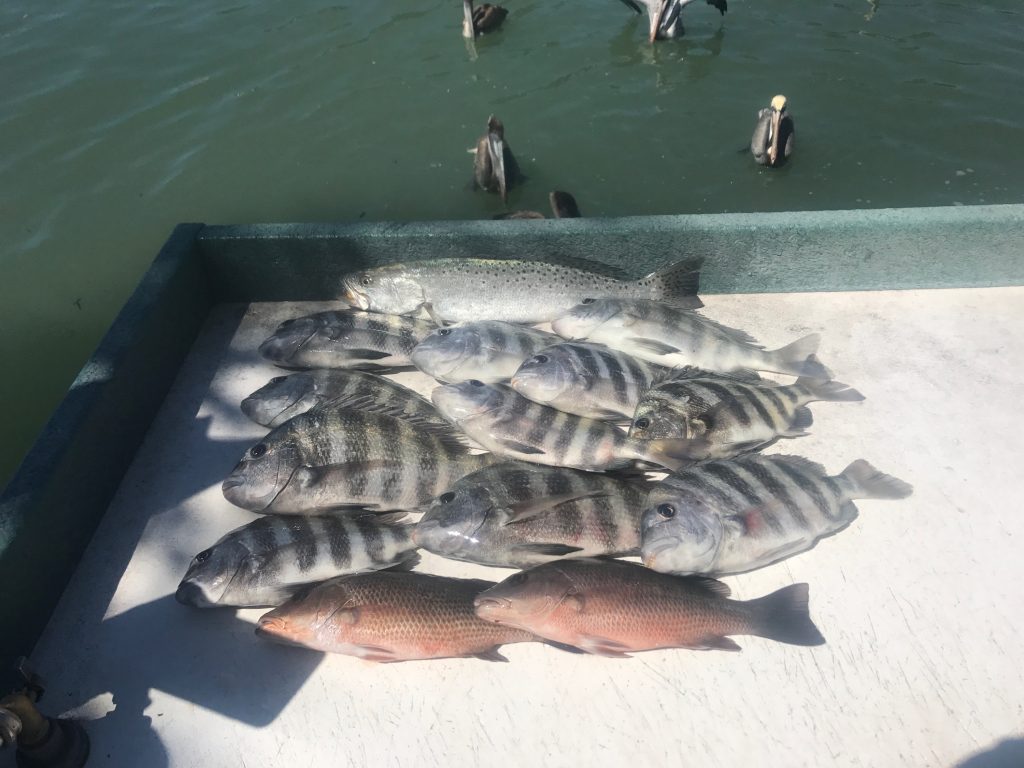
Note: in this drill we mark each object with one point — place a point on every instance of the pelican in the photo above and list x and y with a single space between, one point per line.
563 206
773 132
664 15
484 18
494 167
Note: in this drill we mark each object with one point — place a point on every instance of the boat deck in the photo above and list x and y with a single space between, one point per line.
920 600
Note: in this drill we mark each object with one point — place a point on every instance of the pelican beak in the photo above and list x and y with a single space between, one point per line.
657 19
773 136
496 149
468 31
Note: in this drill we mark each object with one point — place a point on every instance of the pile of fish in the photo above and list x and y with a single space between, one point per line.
631 428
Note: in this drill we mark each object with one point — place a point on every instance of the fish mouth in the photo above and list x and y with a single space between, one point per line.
488 604
231 482
355 298
275 628
189 593
281 349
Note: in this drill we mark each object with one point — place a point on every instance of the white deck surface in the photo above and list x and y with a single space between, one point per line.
921 601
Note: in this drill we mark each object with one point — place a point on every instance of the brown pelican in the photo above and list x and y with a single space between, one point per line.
772 141
563 206
664 15
482 19
494 168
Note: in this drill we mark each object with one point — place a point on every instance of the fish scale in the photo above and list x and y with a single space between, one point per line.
387 616
731 516
515 515
586 379
266 561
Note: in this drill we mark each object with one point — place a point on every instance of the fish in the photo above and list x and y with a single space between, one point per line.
349 339
387 616
587 379
507 424
514 515
268 560
283 397
614 608
732 516
487 350
335 457
723 416
664 334
460 290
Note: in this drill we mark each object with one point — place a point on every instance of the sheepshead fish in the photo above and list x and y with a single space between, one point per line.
723 416
460 290
612 608
515 515
345 340
486 350
387 616
283 397
267 561
334 457
507 424
587 379
733 516
667 335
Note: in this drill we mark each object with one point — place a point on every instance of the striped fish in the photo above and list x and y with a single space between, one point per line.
507 424
267 561
514 515
283 397
726 415
669 336
733 516
333 457
351 339
587 379
487 350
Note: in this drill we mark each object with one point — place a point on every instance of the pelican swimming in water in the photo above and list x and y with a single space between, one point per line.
772 142
665 15
484 18
563 206
494 167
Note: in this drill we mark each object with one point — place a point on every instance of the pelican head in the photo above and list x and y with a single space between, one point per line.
468 28
778 107
496 152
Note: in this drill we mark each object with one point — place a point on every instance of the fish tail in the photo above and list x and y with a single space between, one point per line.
829 390
866 482
783 616
677 283
798 359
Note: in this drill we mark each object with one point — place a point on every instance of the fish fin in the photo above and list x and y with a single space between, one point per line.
563 646
719 644
515 445
408 564
367 354
798 358
433 315
368 404
613 416
682 373
671 453
554 550
709 585
868 483
802 419
828 390
530 508
745 446
734 334
305 476
676 284
602 646
800 462
387 518
491 655
783 616
375 653
653 346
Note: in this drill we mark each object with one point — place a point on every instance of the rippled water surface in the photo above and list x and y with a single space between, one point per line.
119 119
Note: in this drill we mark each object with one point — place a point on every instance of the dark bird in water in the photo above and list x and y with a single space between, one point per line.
494 167
482 19
563 206
665 15
772 142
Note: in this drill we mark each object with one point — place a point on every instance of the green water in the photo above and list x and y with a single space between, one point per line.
119 119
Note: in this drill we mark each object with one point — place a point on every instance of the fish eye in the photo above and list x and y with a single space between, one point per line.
642 423
277 379
517 579
587 300
540 359
447 498
366 280
444 331
203 556
475 383
667 511
258 450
